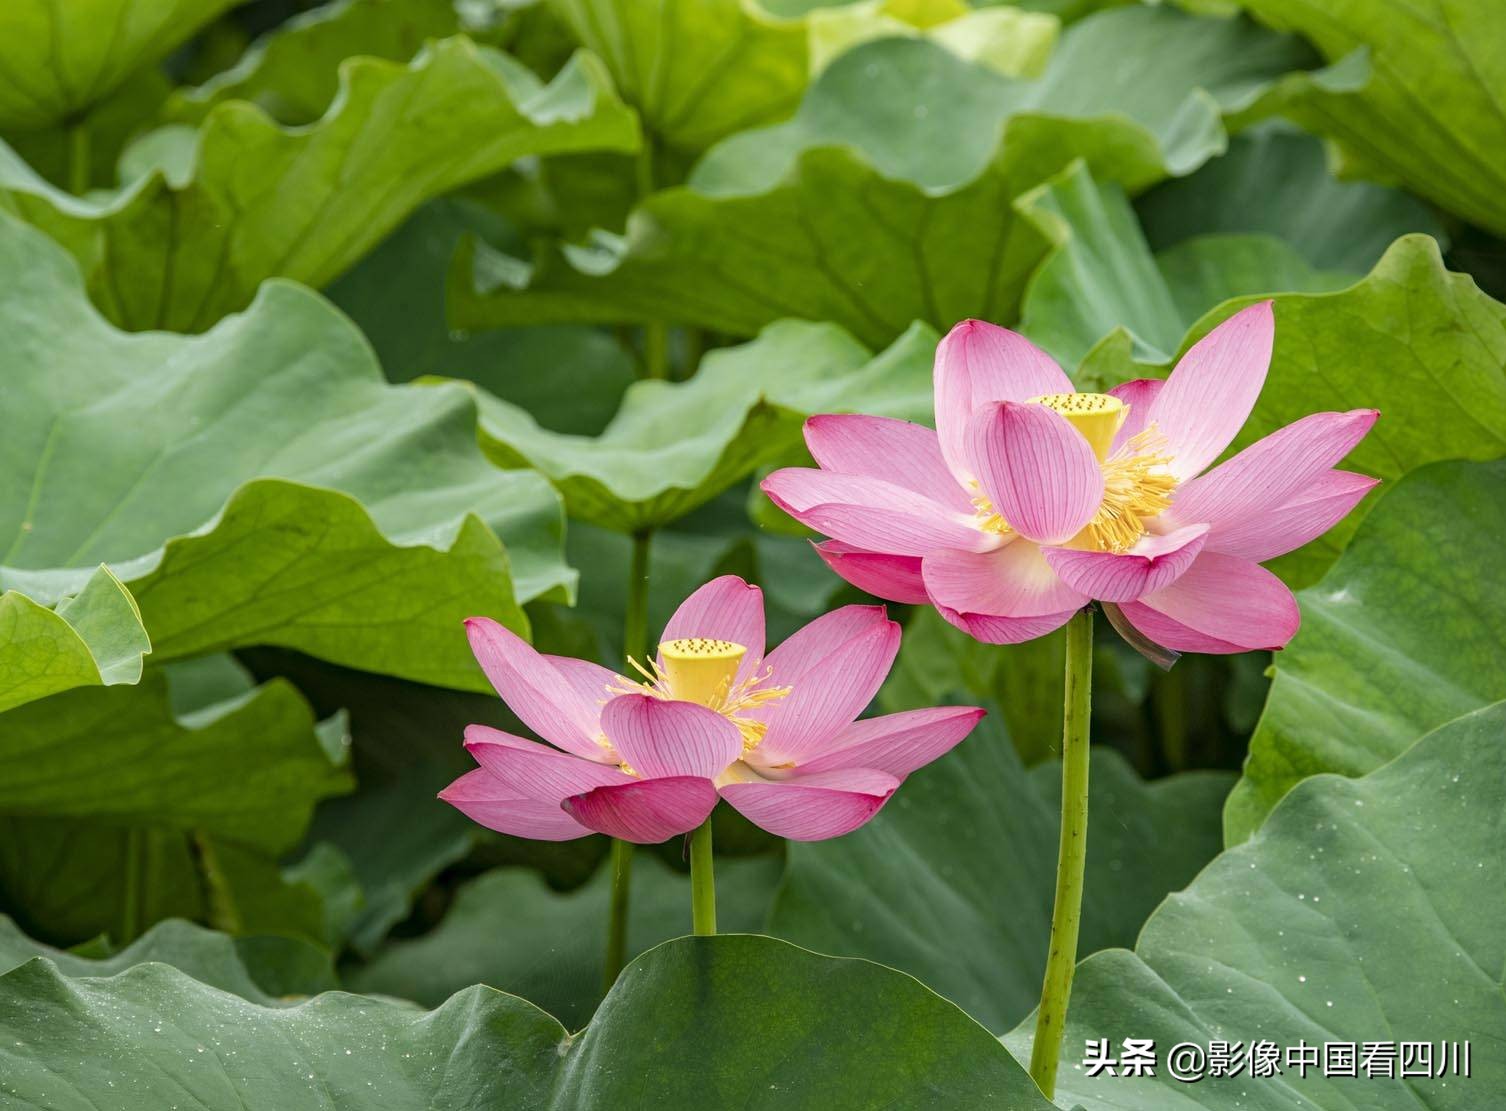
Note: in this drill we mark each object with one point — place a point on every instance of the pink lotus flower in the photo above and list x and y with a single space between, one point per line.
1030 500
775 736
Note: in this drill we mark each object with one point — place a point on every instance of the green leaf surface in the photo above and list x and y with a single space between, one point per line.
952 881
122 806
250 769
696 72
1415 96
82 153
568 378
1401 635
203 217
92 638
293 72
60 59
887 199
509 930
725 1021
700 72
1211 269
366 532
1102 277
1275 181
673 446
1365 910
258 969
1440 342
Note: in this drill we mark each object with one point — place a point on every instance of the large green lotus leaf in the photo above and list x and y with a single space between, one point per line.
696 72
1365 910
887 199
733 1021
952 881
1415 98
365 537
1442 344
1401 635
510 930
92 638
674 446
1275 181
249 769
259 969
60 59
924 117
1440 340
83 153
203 217
699 72
125 805
1103 277
292 73
66 881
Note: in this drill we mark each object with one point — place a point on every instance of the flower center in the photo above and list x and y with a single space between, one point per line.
700 670
1136 486
704 671
1096 415
1136 483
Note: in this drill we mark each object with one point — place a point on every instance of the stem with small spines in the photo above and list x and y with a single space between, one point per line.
1066 912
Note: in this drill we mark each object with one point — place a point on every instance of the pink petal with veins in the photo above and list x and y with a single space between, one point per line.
893 578
1209 395
977 363
812 807
1037 470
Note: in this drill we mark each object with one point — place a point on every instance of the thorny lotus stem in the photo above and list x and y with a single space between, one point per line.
634 647
622 879
1066 914
702 883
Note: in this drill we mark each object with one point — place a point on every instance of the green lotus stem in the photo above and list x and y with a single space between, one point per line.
656 350
634 646
1066 913
1169 703
635 623
134 894
656 332
220 911
622 878
702 883
695 348
80 172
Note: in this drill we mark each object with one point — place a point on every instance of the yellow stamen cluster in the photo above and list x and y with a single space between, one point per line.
989 519
1136 486
696 669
